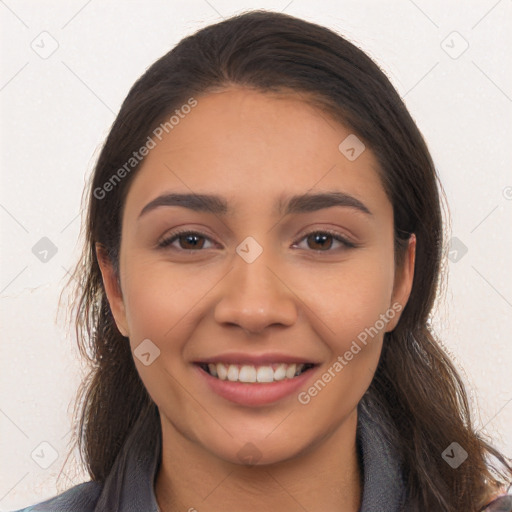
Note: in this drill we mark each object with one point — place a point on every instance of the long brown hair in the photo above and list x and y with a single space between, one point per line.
415 382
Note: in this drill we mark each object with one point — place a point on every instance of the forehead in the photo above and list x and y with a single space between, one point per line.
249 147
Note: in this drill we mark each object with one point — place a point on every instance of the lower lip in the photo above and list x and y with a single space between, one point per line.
254 394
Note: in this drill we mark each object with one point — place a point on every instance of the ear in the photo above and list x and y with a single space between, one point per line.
402 286
112 288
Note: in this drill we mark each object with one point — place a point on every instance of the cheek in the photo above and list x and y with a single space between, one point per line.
349 299
162 305
160 301
349 314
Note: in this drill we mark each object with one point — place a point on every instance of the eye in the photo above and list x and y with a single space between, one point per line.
318 241
187 241
322 241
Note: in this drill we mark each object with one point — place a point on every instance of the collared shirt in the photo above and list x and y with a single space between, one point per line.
130 484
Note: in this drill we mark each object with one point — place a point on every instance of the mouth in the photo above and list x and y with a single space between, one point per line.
255 374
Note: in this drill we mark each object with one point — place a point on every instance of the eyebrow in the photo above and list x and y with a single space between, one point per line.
296 204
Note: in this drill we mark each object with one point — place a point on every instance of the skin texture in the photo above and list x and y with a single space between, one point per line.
297 297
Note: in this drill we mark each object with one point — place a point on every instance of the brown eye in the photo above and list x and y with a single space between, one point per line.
325 241
319 241
191 241
186 241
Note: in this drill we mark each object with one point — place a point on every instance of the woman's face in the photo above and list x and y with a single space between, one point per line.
270 275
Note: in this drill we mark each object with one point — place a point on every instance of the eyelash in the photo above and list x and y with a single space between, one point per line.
166 242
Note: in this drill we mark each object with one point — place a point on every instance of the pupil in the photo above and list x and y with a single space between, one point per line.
320 239
192 240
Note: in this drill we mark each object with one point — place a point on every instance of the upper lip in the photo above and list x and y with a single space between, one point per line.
255 359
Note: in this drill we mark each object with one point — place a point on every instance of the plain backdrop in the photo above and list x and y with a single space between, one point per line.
65 69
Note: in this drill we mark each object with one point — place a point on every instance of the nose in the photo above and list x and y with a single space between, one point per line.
255 297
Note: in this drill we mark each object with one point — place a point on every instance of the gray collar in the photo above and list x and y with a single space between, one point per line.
383 487
129 486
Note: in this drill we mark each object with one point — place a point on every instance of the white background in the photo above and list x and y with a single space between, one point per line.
56 111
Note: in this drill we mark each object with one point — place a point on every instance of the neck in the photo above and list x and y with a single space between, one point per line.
325 478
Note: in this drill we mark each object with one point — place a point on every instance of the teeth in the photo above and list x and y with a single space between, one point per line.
249 373
280 372
265 374
233 373
290 372
222 372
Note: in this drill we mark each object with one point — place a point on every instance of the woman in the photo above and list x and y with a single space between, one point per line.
263 250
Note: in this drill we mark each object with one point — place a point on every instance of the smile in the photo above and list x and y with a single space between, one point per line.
248 373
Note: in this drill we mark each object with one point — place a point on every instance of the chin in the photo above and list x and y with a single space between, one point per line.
257 453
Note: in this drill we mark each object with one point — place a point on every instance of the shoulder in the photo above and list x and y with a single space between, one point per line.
502 503
81 498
